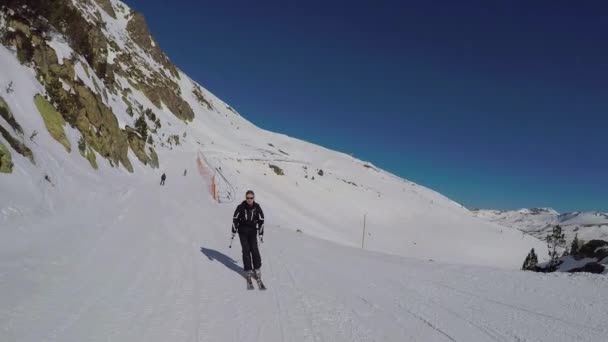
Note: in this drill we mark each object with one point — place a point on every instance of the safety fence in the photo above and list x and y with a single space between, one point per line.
220 189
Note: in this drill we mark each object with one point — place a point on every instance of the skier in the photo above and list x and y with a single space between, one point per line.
162 179
248 221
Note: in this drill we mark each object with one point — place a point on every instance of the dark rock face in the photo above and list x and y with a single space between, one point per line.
139 32
158 87
6 114
198 93
162 92
81 108
6 163
602 253
32 23
17 145
138 146
107 7
592 267
537 211
276 169
594 249
100 127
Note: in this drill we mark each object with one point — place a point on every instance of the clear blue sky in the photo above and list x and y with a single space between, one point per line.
500 104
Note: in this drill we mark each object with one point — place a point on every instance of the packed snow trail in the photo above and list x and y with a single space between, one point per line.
150 266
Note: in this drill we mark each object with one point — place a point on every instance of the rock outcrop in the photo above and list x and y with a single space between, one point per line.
6 164
53 121
6 114
130 62
106 5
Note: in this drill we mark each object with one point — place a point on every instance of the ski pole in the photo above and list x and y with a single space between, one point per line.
231 239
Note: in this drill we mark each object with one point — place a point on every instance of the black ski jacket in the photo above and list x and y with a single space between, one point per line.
248 218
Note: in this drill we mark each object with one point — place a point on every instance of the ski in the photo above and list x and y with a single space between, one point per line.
258 279
249 283
261 284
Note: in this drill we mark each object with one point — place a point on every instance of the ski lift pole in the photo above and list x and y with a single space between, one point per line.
363 237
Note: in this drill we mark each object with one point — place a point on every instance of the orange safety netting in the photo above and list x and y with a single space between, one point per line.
204 169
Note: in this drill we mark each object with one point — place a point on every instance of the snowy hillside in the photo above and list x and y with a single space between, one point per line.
538 222
122 109
137 262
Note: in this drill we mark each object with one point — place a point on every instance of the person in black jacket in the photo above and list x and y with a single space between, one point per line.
248 221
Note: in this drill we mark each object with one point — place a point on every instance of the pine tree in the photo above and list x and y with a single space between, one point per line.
526 262
556 242
574 247
531 261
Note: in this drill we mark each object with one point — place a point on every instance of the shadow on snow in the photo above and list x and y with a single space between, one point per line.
227 261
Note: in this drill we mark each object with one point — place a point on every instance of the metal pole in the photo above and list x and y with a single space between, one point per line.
363 237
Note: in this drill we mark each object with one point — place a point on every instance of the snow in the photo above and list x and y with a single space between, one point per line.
61 47
584 218
111 56
86 77
150 265
570 263
106 255
539 222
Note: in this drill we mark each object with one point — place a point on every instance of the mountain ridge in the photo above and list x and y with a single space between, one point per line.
538 222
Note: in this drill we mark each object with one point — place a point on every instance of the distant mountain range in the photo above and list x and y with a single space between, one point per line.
539 221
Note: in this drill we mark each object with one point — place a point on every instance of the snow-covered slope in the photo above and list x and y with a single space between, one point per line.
137 262
538 222
301 186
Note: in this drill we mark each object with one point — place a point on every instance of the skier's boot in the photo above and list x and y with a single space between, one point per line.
248 276
258 278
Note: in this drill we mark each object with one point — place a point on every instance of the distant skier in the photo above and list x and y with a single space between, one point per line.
248 221
185 172
162 179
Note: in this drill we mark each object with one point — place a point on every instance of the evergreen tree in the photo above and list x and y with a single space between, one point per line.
575 245
531 261
526 263
556 242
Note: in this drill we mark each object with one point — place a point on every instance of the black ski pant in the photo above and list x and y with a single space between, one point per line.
249 243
